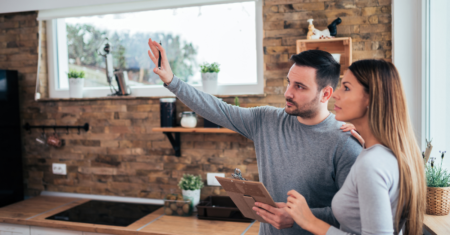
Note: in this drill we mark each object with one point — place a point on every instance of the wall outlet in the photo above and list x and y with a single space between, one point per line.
211 178
59 169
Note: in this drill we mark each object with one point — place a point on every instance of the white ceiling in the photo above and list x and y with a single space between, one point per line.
7 6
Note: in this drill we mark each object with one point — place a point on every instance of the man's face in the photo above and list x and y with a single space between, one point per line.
302 95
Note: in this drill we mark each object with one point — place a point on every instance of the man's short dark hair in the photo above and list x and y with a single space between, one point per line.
327 68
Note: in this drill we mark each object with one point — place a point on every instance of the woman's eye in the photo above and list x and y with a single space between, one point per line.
346 88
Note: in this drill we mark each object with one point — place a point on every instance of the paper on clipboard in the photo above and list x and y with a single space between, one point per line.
245 193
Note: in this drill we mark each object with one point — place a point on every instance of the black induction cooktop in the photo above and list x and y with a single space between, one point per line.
106 212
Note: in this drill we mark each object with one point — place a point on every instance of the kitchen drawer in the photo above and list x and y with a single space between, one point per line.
52 231
14 229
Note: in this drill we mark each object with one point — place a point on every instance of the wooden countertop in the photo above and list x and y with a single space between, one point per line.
437 225
34 211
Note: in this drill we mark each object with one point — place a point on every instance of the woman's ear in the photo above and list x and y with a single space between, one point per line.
327 92
366 100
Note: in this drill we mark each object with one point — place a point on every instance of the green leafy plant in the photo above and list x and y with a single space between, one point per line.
190 182
236 101
436 175
75 74
210 68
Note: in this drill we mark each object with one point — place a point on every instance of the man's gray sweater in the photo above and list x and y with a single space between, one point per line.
313 160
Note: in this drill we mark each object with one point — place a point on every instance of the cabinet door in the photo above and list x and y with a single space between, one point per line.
14 229
52 231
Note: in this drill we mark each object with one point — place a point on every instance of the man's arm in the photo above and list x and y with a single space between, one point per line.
346 155
241 120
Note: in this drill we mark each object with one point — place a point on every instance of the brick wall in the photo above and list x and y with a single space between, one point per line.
120 155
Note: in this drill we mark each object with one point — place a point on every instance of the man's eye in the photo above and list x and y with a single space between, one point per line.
299 87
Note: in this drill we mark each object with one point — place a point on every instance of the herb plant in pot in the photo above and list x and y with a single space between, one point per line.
209 77
438 187
76 83
190 186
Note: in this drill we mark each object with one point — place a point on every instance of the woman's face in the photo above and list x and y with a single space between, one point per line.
351 99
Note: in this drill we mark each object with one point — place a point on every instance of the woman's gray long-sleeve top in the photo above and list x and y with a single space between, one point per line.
367 202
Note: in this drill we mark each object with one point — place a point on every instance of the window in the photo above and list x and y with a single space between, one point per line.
438 54
227 33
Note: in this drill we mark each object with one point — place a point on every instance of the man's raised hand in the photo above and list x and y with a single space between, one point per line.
165 73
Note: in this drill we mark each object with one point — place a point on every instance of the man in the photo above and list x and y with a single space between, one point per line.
299 147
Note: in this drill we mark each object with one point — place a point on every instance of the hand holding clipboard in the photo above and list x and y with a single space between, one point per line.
245 193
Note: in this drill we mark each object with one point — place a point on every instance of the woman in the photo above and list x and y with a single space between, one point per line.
386 185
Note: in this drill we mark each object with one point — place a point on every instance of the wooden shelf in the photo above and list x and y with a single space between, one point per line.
173 134
341 46
193 130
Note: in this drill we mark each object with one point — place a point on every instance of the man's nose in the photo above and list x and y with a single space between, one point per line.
288 93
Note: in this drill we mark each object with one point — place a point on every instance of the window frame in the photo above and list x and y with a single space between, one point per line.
58 63
436 76
409 48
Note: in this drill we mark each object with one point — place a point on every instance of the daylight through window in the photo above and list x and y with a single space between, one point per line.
222 33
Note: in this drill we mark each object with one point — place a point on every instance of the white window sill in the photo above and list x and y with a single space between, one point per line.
131 97
149 92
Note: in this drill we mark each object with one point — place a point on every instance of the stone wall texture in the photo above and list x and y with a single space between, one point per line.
120 155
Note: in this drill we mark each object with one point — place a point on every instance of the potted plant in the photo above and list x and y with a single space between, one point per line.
236 101
190 186
76 83
209 77
438 186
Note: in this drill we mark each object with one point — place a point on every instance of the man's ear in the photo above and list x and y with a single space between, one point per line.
327 92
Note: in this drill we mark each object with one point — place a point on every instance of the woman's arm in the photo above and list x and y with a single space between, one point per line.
375 176
299 210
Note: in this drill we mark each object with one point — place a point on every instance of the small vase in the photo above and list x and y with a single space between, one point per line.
76 87
438 201
209 82
194 195
188 119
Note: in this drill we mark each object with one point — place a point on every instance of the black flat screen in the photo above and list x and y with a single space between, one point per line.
3 86
106 213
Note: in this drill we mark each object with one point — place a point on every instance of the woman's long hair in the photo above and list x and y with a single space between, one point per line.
390 123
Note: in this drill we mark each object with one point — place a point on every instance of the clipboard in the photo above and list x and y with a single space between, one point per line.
245 193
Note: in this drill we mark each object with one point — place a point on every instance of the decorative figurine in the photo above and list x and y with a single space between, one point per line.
327 33
310 29
237 174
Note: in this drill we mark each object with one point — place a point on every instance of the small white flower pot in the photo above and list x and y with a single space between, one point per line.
194 195
209 82
76 87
